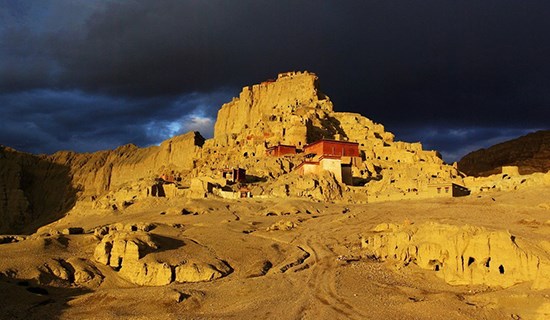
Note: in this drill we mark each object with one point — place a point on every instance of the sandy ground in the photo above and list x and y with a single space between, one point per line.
315 270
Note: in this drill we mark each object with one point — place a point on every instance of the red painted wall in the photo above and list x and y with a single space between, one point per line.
282 150
315 148
279 151
334 148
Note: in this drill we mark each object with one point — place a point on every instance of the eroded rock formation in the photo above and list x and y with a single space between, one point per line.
99 172
133 252
33 191
461 255
73 271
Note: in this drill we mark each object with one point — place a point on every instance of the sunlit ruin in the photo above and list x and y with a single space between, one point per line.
291 211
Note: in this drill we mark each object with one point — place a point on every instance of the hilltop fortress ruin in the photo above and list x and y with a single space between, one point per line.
282 203
292 112
278 139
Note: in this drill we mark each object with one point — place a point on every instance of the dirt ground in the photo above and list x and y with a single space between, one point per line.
290 259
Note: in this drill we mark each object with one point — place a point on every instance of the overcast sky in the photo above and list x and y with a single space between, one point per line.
86 75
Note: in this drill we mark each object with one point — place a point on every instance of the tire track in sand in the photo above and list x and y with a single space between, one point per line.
321 282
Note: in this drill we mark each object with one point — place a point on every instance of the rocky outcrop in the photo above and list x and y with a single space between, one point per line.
33 191
134 255
292 110
36 190
96 173
198 272
530 153
73 271
323 187
276 111
464 255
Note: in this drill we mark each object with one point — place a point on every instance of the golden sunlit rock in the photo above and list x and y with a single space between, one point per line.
291 211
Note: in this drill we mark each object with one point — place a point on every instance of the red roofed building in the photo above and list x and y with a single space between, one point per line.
330 155
333 148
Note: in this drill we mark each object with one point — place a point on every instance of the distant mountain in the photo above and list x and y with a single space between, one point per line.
531 153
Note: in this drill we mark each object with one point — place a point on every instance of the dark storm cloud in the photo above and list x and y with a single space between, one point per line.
453 143
480 66
47 121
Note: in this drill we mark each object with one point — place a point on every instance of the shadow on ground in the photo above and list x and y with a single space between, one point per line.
26 299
